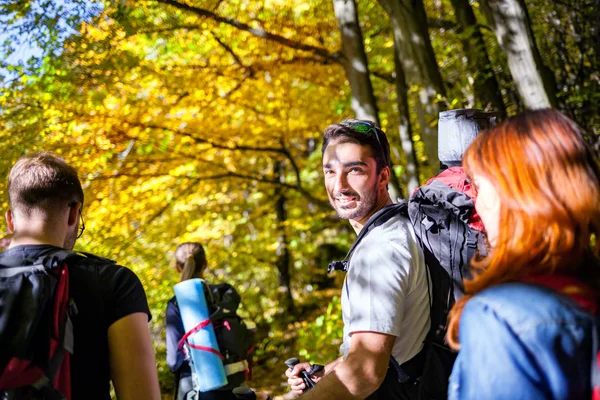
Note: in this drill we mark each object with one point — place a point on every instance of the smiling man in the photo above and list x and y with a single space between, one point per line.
385 303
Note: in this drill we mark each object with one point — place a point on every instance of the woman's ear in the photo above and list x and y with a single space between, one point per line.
178 267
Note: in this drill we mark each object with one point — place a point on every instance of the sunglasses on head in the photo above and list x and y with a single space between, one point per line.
367 128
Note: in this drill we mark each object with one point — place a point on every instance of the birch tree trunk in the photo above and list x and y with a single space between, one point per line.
486 87
405 128
512 26
356 66
415 52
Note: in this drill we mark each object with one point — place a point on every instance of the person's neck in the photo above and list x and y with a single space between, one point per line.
357 224
33 239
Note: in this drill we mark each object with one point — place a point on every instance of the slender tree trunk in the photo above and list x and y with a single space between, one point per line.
356 65
512 26
405 128
283 251
486 87
415 52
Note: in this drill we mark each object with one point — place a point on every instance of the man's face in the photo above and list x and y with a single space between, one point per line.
351 179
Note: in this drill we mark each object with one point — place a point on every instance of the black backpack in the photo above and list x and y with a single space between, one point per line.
36 333
234 337
440 217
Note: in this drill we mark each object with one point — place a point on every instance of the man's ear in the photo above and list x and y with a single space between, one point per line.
74 213
384 176
9 220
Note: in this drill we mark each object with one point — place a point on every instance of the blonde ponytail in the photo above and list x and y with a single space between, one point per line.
191 258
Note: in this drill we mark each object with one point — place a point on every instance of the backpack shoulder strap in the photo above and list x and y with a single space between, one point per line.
377 219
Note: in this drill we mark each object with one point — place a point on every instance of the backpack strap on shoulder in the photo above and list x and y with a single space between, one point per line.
377 219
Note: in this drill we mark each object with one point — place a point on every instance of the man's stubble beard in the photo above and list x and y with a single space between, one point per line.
367 204
70 239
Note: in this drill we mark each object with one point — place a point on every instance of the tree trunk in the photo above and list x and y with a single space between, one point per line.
486 87
283 252
356 66
512 26
405 128
415 52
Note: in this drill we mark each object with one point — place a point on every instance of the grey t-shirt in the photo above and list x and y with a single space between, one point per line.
386 289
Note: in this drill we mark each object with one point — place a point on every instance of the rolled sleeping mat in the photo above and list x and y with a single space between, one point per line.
202 342
456 131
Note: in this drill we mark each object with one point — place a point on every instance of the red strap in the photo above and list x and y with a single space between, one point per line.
195 329
579 292
208 349
62 380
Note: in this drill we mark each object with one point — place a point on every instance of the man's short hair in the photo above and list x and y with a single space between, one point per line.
364 133
42 181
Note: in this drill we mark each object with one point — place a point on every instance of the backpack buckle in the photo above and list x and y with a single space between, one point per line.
337 266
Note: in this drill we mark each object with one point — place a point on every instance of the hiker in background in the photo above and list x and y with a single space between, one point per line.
234 337
109 337
525 325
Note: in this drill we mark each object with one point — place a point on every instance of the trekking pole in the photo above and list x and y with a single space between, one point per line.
244 393
291 363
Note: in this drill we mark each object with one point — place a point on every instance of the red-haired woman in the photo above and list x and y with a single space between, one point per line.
524 327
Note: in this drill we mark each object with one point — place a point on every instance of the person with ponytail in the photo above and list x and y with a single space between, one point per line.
525 326
190 262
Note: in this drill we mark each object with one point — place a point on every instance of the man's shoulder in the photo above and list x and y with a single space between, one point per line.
390 243
396 228
88 270
92 262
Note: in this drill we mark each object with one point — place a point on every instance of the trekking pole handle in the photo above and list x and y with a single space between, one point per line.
291 363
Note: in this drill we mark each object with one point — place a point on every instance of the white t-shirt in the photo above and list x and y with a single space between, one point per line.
386 289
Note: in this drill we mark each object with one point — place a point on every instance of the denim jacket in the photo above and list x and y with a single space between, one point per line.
523 341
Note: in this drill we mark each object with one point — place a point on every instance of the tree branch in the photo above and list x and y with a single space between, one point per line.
320 51
225 175
199 140
160 212
232 53
190 27
388 77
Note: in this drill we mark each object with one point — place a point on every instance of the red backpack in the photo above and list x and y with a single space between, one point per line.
36 333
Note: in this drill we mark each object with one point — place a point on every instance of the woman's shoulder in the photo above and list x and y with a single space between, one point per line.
524 305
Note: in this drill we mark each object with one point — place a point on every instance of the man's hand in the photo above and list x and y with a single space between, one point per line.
296 383
361 373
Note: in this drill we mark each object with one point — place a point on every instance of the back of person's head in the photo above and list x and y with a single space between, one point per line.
364 133
42 182
190 259
548 184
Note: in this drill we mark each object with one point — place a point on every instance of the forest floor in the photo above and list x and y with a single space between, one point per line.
269 372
